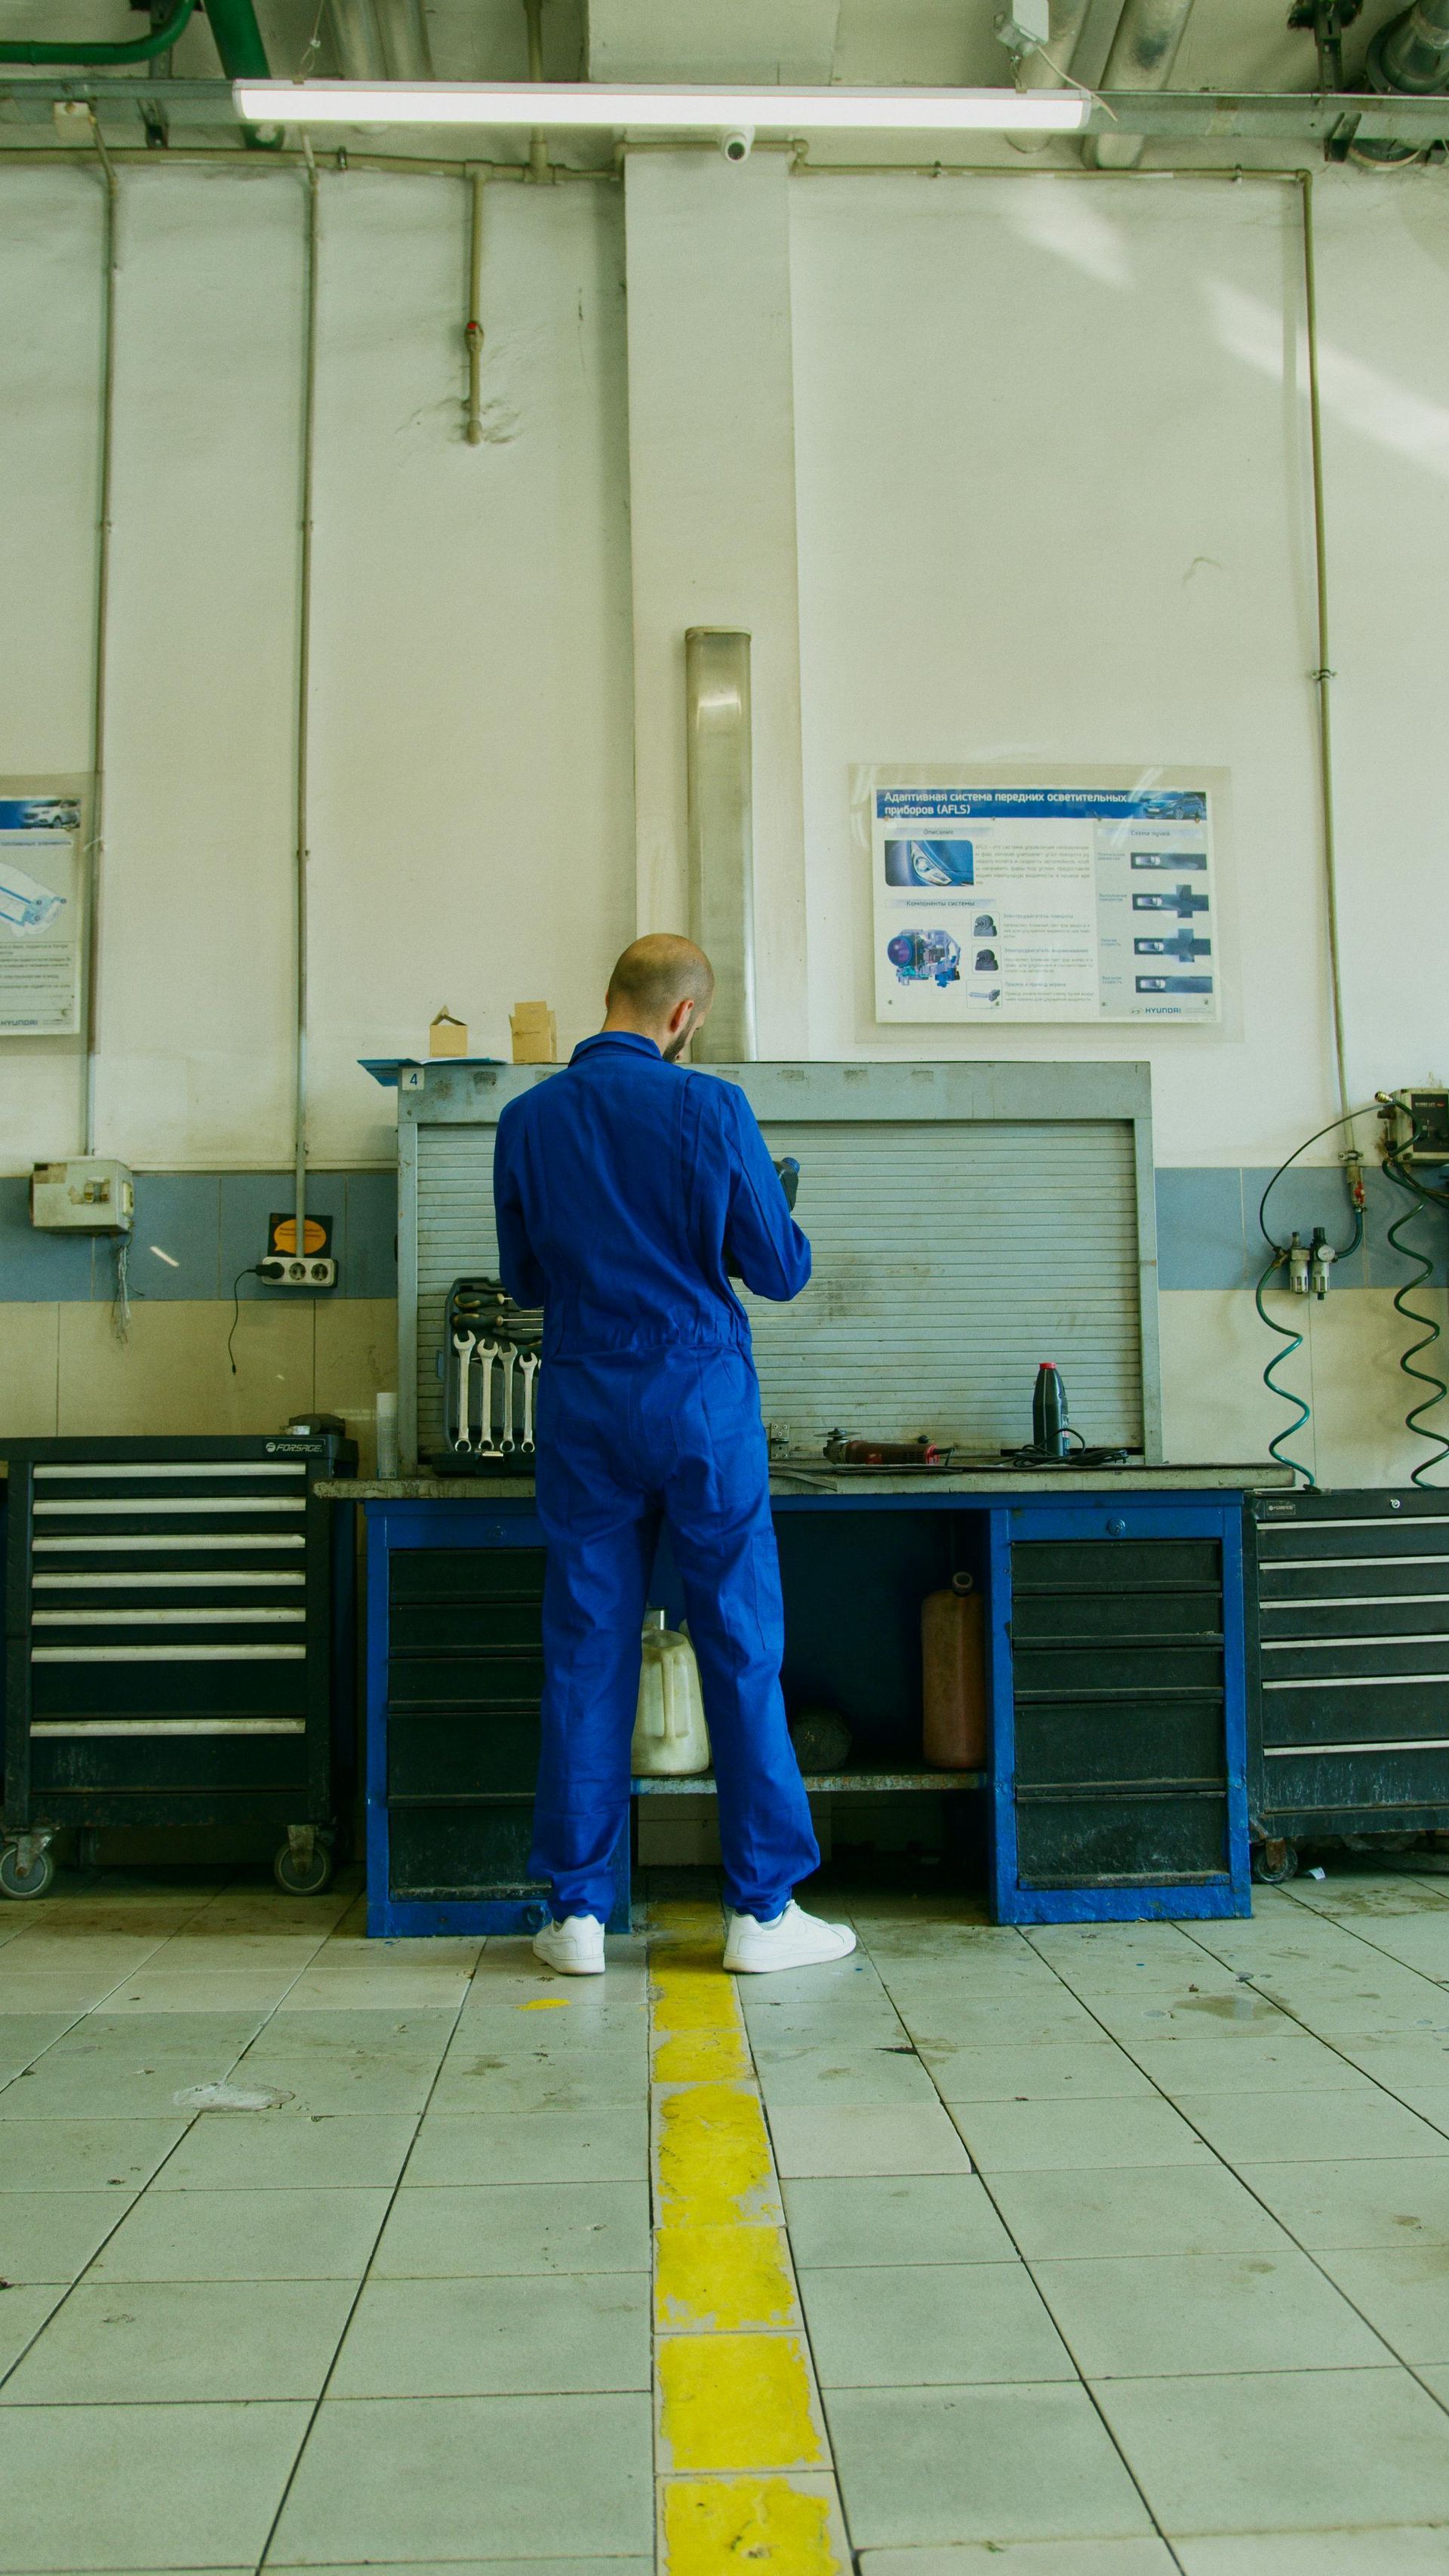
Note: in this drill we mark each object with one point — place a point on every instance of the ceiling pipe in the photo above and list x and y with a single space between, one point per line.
405 39
1412 52
379 40
538 169
138 49
357 40
1144 50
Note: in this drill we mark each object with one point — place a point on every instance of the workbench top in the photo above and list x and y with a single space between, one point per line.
1250 1475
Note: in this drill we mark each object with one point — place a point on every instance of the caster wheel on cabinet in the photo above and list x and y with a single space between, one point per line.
25 1878
299 1876
1274 1863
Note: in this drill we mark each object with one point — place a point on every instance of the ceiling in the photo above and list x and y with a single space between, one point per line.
1230 45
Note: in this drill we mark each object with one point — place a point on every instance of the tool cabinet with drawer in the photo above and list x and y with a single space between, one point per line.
178 1617
1120 1760
1348 1663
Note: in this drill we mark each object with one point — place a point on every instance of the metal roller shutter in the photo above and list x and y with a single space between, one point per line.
950 1257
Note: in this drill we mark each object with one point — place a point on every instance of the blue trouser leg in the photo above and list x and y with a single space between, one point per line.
717 1504
602 1534
621 1442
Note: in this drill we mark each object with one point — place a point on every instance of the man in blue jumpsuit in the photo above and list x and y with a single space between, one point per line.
626 1189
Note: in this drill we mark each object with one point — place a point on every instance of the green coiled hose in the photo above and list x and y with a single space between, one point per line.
1285 1393
1419 1198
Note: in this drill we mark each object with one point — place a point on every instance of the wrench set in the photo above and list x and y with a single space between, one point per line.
489 1365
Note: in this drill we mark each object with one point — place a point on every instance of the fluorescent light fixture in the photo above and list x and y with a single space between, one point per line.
562 104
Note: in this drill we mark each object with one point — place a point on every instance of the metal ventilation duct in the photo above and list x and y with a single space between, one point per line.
1144 50
698 40
721 834
380 40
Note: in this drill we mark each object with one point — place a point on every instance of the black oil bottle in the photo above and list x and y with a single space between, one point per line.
1049 1424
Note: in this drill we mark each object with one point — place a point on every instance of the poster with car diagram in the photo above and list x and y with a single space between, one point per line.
42 888
1085 895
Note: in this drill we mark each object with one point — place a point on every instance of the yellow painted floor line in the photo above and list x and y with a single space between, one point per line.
744 2468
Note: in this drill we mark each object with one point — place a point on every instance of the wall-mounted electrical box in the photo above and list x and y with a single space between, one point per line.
284 1267
87 1196
1416 1125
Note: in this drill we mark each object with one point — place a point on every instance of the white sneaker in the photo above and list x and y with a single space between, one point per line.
574 1947
794 1940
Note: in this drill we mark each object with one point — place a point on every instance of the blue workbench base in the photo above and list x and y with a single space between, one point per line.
1010 1516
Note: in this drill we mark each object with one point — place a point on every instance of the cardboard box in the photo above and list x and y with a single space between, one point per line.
447 1036
535 1033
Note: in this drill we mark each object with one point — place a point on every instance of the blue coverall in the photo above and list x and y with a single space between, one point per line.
622 1186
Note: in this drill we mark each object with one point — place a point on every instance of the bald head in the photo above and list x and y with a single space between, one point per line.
660 988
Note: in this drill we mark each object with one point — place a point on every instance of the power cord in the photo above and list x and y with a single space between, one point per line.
1279 1255
253 1270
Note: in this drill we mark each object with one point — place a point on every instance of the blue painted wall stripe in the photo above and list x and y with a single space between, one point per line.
195 1230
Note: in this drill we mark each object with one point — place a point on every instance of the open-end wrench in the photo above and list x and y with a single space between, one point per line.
463 1344
528 1364
488 1352
510 1357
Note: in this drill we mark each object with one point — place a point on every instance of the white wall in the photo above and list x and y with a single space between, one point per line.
1054 504
472 838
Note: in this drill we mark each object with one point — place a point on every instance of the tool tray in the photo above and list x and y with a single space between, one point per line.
489 1366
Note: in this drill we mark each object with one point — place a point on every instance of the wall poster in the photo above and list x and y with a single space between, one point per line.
1078 895
42 906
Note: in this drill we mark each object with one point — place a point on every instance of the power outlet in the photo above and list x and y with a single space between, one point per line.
283 1270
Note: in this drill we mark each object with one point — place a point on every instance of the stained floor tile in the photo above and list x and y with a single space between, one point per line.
1154 2316
184 2341
386 2478
930 2326
454 2232
1285 2128
1283 2450
260 2150
90 2487
245 2236
1378 2200
894 2218
1019 2137
84 2155
609 2144
910 2139
923 2466
1133 2209
504 2336
52 2235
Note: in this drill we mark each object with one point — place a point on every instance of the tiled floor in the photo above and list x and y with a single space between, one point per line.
1099 2252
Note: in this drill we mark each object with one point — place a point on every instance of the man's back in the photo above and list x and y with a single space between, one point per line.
622 1187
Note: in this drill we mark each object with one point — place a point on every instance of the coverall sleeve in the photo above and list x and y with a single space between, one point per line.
517 1267
770 1252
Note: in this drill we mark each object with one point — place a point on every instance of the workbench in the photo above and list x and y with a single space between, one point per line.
1116 1784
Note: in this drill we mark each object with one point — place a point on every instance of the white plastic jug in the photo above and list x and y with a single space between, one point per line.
670 1737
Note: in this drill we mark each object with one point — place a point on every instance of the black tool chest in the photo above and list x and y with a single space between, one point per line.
1348 1658
1121 1736
178 1644
464 1686
465 1672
